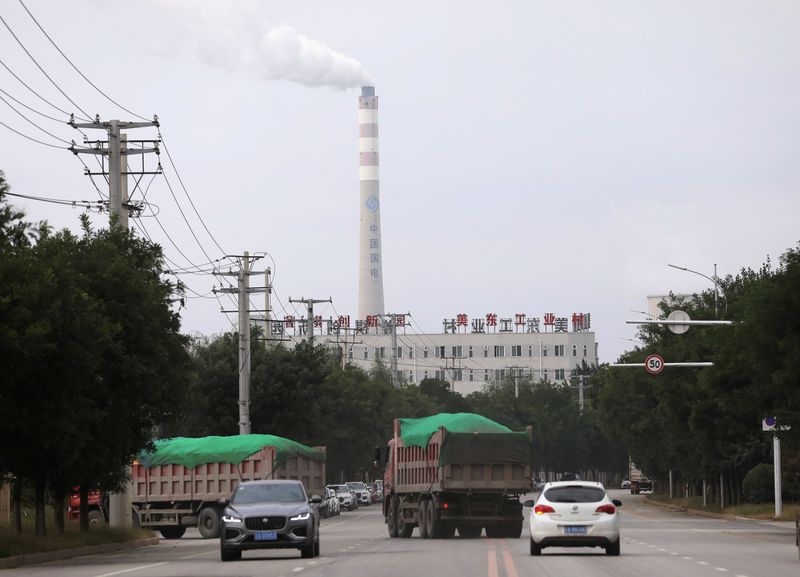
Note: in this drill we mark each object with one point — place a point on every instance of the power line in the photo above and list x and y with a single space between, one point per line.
31 138
33 91
53 82
53 118
90 204
33 123
75 67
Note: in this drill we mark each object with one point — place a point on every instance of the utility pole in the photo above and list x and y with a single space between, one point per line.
117 151
243 290
310 306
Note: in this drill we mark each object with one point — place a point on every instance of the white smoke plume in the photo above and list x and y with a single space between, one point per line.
235 36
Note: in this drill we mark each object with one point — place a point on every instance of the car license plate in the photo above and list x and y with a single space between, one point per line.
575 530
266 536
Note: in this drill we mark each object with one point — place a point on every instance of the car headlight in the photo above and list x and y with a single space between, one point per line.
300 517
230 519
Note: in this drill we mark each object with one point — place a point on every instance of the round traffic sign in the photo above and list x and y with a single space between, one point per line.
678 316
654 364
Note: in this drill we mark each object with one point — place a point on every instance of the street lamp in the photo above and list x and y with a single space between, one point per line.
714 279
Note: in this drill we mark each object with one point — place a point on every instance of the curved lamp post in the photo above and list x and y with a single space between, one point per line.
714 279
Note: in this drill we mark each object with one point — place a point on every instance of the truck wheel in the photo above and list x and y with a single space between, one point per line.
172 531
423 514
208 523
434 527
95 518
404 528
391 517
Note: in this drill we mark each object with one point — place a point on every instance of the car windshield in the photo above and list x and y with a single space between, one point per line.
342 489
574 494
357 486
277 493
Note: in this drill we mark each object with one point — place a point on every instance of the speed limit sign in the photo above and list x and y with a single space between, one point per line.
654 364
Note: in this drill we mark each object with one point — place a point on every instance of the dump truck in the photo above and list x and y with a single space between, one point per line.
184 481
455 472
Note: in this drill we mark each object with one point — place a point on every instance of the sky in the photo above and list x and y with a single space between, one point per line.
535 157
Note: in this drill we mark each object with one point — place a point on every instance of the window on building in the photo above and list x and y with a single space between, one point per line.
574 350
530 350
470 351
457 350
558 350
516 350
399 352
486 351
585 351
440 352
471 374
544 375
544 351
499 351
458 375
350 354
366 353
425 354
380 352
426 375
410 376
499 375
559 374
486 375
410 352
440 375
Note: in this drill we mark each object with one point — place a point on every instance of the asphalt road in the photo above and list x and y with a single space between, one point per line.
656 543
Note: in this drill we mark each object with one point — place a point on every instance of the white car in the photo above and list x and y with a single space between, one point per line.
345 496
574 514
362 492
626 484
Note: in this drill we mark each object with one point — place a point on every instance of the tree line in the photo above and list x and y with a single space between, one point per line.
95 367
704 425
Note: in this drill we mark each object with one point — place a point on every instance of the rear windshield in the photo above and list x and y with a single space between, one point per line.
575 494
357 486
278 493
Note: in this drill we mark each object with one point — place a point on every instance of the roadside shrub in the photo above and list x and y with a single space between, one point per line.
758 484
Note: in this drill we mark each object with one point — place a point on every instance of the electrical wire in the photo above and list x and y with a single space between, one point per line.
76 68
40 113
42 98
53 82
31 138
96 204
11 106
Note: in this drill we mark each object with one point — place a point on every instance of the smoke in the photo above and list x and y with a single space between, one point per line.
234 36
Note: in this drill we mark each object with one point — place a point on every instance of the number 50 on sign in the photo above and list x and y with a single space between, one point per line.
654 364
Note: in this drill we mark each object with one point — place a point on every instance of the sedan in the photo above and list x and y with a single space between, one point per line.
270 515
574 514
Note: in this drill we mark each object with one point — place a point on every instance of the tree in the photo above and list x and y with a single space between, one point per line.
92 355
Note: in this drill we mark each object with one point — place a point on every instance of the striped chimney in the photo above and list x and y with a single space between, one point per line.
370 265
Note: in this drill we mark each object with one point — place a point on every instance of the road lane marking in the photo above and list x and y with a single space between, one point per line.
297 569
198 554
132 569
492 570
511 570
688 558
703 563
721 569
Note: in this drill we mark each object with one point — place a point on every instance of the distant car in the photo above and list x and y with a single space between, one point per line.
574 514
270 515
347 499
361 491
330 504
569 477
537 483
626 483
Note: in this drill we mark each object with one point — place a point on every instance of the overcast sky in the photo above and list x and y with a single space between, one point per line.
535 156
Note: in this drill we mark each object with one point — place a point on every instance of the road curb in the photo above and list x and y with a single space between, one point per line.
31 558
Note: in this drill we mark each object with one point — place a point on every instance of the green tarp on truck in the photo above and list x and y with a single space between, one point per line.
191 452
462 445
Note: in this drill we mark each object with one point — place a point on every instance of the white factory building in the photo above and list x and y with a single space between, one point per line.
470 354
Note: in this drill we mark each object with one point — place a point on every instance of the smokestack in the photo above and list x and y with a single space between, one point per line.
370 267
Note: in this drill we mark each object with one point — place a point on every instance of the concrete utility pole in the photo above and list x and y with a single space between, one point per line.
310 306
117 151
243 290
